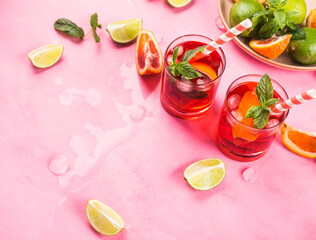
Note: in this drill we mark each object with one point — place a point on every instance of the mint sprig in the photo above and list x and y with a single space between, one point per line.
260 113
184 68
70 28
274 20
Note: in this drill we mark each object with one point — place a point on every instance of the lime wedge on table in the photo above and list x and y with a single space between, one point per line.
103 218
125 31
178 3
205 174
46 56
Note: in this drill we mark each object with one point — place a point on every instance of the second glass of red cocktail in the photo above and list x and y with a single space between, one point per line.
191 98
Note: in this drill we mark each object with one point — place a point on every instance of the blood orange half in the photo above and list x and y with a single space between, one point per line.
148 55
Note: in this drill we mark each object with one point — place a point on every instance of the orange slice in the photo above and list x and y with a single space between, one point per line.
311 19
205 68
300 142
271 47
148 54
239 130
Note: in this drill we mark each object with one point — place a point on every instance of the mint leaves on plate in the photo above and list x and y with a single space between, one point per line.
184 68
72 29
260 113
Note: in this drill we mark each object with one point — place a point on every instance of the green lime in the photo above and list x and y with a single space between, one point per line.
125 31
304 51
244 9
178 3
205 174
298 6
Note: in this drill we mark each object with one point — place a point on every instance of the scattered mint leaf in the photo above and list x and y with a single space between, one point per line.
94 24
189 54
96 36
261 120
254 111
69 27
172 69
264 87
297 33
187 71
271 102
175 55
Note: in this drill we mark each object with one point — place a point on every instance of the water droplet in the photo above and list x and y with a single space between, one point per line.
58 164
249 175
219 23
137 112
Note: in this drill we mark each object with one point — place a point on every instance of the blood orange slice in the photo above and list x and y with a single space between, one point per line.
148 54
300 142
205 68
271 47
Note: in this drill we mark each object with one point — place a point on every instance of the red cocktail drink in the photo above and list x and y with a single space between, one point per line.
237 137
191 98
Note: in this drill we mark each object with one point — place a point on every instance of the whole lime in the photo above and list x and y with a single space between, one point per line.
298 6
244 9
304 51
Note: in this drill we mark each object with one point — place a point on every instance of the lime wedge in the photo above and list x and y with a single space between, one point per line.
125 31
103 218
205 174
178 3
46 56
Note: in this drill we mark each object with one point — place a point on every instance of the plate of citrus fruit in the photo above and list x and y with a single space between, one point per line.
283 32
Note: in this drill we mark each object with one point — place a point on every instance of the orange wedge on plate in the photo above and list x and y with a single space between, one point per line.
205 68
271 47
300 142
311 19
148 54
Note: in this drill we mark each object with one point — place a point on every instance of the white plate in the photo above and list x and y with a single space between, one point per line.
282 61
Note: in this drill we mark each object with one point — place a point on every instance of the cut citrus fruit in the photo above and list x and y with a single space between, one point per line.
125 31
178 3
271 47
103 218
239 130
46 56
311 19
300 142
148 54
260 1
205 68
205 174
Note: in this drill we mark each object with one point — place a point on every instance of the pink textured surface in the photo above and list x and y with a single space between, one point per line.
123 149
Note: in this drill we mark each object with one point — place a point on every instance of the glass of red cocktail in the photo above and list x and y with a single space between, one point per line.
237 137
191 98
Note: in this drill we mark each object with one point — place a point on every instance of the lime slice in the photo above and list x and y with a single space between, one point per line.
125 31
205 174
178 3
103 218
46 56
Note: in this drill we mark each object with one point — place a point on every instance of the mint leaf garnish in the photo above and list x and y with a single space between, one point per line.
189 54
184 68
264 87
260 113
70 28
254 111
175 55
187 71
94 24
261 120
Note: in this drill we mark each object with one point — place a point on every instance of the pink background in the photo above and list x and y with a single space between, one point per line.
123 148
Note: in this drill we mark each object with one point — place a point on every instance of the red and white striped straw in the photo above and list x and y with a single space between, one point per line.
294 101
226 37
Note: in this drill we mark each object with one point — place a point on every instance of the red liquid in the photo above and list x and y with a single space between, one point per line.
180 96
239 148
